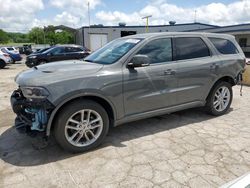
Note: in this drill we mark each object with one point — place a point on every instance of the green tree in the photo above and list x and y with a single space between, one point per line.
18 37
3 37
49 35
37 35
64 37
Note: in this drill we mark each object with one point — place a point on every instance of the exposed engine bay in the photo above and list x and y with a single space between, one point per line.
32 114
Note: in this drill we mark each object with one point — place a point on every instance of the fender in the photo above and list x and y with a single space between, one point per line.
63 100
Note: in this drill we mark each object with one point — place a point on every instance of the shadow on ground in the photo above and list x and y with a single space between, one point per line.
17 149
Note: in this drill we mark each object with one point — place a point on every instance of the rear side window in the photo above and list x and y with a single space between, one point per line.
190 47
224 46
158 51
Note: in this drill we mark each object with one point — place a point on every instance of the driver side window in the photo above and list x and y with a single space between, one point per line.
57 51
158 51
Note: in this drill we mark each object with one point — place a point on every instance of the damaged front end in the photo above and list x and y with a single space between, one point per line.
32 111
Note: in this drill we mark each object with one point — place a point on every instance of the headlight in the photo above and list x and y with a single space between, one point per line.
35 92
33 57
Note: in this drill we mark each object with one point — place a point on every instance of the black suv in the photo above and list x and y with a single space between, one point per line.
57 53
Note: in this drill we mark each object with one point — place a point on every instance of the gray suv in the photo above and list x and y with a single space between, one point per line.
128 79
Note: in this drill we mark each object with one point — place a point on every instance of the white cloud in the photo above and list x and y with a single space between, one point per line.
17 16
75 7
162 12
21 15
63 18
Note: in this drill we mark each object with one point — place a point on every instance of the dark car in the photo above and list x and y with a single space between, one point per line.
39 51
25 49
57 53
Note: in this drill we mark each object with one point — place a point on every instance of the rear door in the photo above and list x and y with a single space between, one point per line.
197 68
152 87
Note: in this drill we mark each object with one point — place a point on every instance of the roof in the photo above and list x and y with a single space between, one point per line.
151 35
139 26
228 28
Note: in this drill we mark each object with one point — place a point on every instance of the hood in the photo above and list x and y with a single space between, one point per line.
55 72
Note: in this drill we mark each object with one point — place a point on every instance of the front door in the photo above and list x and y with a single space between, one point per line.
152 87
57 54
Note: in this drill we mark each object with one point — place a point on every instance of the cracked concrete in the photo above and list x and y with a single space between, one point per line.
183 149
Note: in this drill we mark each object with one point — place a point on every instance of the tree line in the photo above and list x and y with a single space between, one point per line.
38 35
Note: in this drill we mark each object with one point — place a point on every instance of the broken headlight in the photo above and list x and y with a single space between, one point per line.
35 92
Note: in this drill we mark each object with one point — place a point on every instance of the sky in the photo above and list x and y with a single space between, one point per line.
22 15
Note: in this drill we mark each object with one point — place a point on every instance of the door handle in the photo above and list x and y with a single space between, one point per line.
169 72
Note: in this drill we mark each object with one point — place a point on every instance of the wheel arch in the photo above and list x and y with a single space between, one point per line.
229 79
105 103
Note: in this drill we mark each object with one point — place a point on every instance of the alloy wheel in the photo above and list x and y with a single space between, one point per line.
221 98
83 128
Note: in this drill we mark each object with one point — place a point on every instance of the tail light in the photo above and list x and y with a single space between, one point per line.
6 55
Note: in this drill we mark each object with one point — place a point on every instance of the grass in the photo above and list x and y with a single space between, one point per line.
15 44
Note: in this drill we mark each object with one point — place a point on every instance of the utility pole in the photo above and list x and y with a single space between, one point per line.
89 25
89 16
147 17
195 12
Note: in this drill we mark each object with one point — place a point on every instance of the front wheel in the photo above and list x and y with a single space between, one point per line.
81 126
2 64
219 99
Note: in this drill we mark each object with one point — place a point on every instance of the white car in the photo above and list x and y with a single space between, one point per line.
10 49
4 59
241 182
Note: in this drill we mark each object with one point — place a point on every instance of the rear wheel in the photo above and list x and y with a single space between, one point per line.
2 64
219 99
81 126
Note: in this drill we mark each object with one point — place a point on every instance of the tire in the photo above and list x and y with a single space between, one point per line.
217 102
69 116
2 64
13 61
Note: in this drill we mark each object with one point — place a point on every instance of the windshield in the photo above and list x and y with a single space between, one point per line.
113 51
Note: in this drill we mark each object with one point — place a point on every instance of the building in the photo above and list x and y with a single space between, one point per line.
241 33
96 36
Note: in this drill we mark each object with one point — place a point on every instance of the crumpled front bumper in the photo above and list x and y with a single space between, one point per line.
32 115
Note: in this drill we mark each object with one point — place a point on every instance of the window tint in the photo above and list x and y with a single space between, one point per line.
159 50
224 46
57 50
10 49
190 47
72 49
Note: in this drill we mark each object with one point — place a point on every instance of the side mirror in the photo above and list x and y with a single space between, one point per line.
139 61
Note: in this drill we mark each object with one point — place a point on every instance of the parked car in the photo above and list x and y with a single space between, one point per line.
38 51
25 49
4 59
128 79
13 52
57 53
